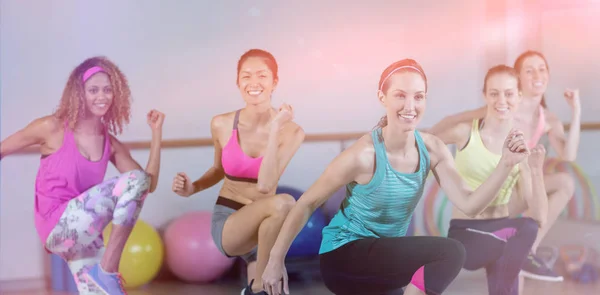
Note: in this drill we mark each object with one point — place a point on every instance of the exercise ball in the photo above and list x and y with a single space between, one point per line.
308 241
333 204
142 256
296 193
192 255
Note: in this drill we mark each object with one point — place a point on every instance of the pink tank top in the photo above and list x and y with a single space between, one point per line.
61 177
236 164
541 127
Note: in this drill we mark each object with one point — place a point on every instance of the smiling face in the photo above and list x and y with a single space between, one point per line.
502 95
98 94
533 72
404 98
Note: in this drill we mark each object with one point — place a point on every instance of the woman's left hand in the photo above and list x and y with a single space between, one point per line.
275 278
155 120
572 97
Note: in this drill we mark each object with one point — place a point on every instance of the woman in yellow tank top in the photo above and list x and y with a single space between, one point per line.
493 240
537 120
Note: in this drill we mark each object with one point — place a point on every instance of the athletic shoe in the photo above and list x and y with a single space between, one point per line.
248 290
534 268
109 283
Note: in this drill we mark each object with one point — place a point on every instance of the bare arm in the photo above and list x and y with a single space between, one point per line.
457 134
34 133
341 171
277 156
123 160
531 184
470 202
524 189
453 120
565 146
215 173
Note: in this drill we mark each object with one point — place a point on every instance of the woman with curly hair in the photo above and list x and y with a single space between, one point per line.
73 202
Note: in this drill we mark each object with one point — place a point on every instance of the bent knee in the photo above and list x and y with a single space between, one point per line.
283 204
140 178
562 182
455 251
529 227
568 185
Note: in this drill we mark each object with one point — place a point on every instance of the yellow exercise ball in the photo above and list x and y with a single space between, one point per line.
142 257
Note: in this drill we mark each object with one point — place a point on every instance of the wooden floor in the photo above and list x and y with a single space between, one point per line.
465 284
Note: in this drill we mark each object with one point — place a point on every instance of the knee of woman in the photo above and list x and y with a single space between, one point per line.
455 251
529 227
140 177
567 185
283 203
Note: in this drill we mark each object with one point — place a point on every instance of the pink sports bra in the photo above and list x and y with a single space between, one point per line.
539 131
236 164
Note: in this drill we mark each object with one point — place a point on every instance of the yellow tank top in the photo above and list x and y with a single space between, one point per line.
475 163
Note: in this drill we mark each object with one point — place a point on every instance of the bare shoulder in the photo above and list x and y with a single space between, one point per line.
48 124
435 146
48 130
432 142
362 153
220 121
552 119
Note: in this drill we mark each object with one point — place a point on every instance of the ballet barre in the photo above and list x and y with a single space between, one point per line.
199 142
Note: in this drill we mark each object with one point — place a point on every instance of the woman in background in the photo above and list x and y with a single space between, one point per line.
253 146
534 118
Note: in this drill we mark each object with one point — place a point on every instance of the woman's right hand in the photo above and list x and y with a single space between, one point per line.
284 115
515 148
182 185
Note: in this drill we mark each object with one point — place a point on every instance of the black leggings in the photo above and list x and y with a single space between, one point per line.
383 265
500 245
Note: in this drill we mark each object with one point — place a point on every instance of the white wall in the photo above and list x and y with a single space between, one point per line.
181 57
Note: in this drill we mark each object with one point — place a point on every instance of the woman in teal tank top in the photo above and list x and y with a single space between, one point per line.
364 248
493 240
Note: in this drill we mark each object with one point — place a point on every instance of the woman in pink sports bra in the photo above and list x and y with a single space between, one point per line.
73 202
253 146
534 118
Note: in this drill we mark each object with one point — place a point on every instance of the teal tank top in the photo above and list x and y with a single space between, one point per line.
381 208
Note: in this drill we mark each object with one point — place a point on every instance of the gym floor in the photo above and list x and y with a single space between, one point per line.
469 284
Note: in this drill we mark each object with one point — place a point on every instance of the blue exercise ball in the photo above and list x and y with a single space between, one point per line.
308 241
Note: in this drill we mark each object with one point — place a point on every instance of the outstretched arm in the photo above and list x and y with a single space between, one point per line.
453 120
123 160
34 133
343 169
470 202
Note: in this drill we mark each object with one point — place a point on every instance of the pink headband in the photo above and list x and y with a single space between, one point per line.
395 70
91 71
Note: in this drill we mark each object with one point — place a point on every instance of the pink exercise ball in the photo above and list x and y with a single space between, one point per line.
192 255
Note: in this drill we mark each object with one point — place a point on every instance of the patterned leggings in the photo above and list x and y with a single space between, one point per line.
77 236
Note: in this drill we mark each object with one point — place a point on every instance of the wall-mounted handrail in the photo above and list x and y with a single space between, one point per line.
199 142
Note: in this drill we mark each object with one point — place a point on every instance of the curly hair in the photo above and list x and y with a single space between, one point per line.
72 106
